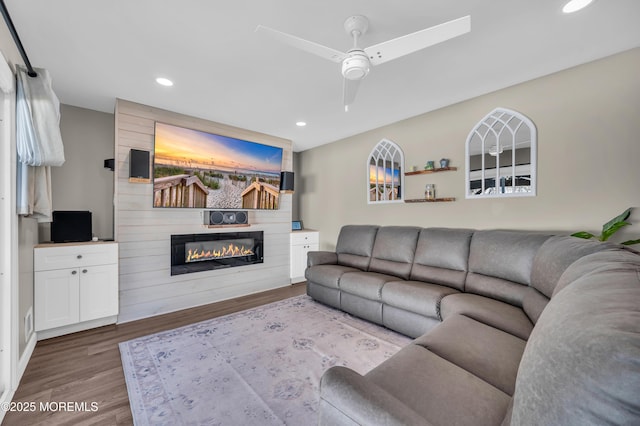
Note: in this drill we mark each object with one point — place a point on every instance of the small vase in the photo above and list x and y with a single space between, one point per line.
444 163
430 192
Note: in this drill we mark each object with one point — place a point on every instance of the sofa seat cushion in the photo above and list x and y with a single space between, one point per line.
416 296
365 284
500 315
484 351
327 275
438 390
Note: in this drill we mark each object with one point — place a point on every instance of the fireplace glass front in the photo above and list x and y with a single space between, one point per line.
203 252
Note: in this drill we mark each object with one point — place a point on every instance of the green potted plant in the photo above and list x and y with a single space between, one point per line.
610 228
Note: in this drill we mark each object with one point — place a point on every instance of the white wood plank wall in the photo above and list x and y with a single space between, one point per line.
146 285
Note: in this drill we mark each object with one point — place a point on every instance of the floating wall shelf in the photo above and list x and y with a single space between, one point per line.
435 200
426 172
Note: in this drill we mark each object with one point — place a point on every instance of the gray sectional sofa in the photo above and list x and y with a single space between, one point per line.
511 328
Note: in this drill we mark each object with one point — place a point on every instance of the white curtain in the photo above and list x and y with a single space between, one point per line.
38 141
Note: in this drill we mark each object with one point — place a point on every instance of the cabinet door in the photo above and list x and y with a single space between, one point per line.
98 291
298 260
56 298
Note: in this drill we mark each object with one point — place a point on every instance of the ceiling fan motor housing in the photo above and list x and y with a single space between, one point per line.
356 66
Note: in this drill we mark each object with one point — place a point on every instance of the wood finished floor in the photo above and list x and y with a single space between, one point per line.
86 366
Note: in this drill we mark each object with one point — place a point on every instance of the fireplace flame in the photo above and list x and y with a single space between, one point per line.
227 251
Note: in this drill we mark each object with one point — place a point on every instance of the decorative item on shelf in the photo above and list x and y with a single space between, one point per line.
414 168
430 165
444 163
430 192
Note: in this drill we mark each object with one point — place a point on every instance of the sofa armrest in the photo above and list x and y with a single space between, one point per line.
321 258
350 398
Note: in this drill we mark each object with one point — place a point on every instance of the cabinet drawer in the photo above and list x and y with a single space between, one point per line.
74 255
298 238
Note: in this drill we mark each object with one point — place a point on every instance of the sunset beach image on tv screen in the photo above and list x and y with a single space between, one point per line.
195 169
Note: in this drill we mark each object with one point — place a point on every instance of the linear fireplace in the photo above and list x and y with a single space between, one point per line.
203 252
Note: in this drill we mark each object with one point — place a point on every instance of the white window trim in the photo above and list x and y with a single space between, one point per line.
9 241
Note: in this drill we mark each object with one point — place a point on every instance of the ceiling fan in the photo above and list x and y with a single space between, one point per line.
357 61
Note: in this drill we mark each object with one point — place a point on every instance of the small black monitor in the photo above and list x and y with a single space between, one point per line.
71 226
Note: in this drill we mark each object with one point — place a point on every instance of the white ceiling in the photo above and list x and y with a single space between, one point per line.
100 50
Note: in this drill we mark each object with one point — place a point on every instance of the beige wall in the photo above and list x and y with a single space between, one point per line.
588 122
82 182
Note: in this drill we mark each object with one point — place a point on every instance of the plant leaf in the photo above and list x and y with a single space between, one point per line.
612 230
611 227
631 242
583 234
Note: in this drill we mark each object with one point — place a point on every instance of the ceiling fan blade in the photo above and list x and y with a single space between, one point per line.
349 90
401 46
307 46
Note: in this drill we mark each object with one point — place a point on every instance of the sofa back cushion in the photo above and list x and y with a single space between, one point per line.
584 267
500 263
442 256
555 256
552 259
581 364
355 245
394 249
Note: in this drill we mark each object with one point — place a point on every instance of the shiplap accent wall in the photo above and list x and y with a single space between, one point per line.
146 285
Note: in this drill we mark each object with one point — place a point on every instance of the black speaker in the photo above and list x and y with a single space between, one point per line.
286 181
139 164
110 164
226 217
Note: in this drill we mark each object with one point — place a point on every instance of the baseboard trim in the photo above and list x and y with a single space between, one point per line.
7 395
5 398
26 356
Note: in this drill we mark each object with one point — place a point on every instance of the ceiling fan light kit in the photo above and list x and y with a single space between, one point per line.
356 66
357 62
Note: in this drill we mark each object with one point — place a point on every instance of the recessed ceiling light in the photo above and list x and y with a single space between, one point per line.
301 123
575 5
164 81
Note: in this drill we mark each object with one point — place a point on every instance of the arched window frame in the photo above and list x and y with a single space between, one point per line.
487 126
385 153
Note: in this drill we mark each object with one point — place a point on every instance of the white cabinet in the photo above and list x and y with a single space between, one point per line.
302 242
75 287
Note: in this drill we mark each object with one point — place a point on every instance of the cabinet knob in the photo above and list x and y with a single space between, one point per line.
74 272
79 256
84 271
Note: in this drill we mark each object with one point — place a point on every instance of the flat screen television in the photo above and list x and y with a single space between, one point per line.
195 169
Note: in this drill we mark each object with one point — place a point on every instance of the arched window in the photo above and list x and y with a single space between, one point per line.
501 156
385 173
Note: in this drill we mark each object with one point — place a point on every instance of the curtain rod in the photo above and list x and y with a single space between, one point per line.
16 39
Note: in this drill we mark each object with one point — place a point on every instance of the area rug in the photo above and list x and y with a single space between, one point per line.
257 367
